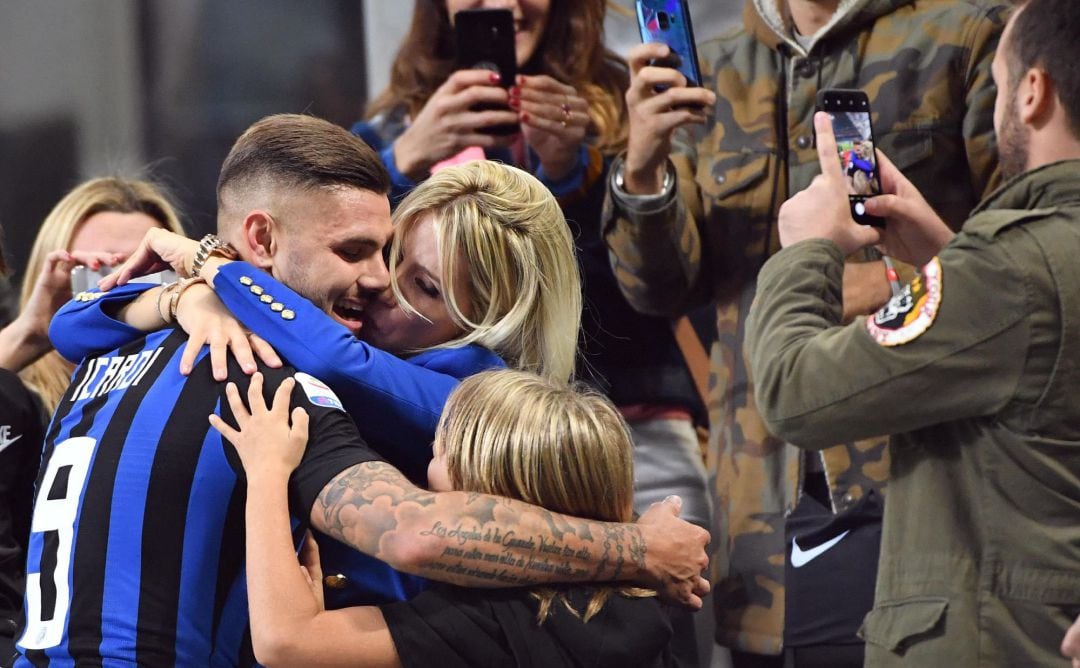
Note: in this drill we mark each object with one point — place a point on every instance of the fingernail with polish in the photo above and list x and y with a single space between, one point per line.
525 117
494 77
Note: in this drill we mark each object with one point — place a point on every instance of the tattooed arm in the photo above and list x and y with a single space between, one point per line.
479 540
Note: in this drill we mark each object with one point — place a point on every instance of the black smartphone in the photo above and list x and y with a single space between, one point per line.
850 114
668 21
485 41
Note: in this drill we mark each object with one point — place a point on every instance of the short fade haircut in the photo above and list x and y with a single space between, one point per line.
303 152
1046 34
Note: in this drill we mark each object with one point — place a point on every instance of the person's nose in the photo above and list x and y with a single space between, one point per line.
375 279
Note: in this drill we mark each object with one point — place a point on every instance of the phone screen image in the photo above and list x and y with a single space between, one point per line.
668 21
855 146
849 111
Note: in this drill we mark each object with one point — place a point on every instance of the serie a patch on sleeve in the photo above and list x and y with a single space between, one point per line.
317 391
910 313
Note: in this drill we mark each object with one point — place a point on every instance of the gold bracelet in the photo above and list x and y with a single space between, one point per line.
165 288
181 285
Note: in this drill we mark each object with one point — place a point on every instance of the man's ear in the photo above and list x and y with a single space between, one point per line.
1035 97
258 232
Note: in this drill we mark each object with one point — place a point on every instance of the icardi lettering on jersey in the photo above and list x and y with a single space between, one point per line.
105 374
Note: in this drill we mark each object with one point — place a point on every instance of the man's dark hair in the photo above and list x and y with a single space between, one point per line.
1046 34
299 151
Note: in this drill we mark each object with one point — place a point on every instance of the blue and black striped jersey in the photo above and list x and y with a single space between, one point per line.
137 540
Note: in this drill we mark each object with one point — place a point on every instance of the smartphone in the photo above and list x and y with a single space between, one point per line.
485 41
84 278
855 144
668 21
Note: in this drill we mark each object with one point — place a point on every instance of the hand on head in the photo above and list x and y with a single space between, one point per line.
821 211
654 116
674 554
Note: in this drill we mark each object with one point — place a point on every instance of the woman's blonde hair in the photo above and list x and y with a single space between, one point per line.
50 375
515 434
521 271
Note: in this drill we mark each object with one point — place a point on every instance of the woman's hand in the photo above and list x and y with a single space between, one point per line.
27 337
159 249
447 124
207 321
266 442
554 120
654 116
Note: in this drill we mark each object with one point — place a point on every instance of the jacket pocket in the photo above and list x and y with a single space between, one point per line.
907 148
897 625
725 174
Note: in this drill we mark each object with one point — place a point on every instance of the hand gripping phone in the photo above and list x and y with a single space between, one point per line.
668 21
850 114
485 41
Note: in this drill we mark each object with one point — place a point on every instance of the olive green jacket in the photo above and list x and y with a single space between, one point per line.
925 65
980 556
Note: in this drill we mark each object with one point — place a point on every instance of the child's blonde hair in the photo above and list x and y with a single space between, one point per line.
522 272
515 434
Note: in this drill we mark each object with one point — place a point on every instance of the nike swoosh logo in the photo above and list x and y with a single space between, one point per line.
801 557
5 442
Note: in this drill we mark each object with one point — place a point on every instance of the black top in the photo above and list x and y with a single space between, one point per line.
22 429
463 628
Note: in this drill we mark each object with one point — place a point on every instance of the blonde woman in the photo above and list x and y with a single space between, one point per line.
506 433
98 223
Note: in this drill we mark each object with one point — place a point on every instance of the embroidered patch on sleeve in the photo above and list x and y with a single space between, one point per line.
317 392
910 313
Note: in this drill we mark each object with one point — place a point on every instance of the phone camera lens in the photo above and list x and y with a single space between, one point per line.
663 20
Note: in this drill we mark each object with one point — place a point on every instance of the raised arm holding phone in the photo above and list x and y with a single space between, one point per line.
971 369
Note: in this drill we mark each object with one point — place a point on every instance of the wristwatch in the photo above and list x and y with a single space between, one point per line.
209 246
618 179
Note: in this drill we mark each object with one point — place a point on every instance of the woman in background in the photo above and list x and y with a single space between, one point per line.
98 223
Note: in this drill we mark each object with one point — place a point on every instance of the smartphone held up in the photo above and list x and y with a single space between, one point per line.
84 278
849 111
668 22
485 41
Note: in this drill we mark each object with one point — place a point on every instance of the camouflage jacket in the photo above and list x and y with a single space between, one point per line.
925 65
980 553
